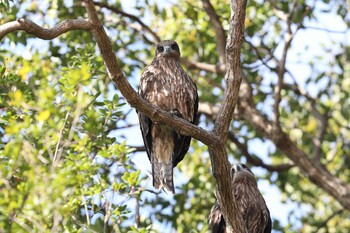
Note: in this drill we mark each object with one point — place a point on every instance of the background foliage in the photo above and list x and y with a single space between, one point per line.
69 143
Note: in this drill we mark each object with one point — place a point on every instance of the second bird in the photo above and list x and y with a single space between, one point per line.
165 84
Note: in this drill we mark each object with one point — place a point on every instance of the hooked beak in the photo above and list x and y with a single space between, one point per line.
167 49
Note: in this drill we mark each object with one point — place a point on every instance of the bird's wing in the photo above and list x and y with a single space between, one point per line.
145 122
216 220
182 143
268 227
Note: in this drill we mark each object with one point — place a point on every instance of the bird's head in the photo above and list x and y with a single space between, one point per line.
168 48
240 170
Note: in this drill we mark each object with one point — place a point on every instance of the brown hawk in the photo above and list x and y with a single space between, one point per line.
165 84
250 202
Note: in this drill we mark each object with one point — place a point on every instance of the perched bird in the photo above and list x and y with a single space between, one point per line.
250 202
165 84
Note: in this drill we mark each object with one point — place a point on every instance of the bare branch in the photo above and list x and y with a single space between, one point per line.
324 29
282 64
131 17
46 34
138 148
219 30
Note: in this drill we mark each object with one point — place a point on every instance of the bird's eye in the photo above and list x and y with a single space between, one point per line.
160 49
175 47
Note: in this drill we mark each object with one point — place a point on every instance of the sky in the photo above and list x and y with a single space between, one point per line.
313 39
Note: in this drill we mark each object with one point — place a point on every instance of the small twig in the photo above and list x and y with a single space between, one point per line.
322 118
59 140
138 148
137 209
85 207
282 64
323 224
216 69
131 17
256 160
324 29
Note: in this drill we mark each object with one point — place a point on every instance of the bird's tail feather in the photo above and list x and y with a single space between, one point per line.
163 176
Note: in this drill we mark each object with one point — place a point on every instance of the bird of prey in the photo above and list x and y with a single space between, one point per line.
165 84
250 202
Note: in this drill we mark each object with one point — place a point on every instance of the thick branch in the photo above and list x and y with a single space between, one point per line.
219 30
117 77
46 34
218 155
233 76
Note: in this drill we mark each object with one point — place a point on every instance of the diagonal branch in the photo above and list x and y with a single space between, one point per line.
219 30
46 34
115 73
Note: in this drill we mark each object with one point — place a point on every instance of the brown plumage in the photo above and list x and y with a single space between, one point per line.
251 204
165 84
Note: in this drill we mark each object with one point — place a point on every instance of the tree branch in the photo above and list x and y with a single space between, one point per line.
281 71
218 155
219 30
282 64
216 69
322 118
46 34
324 29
